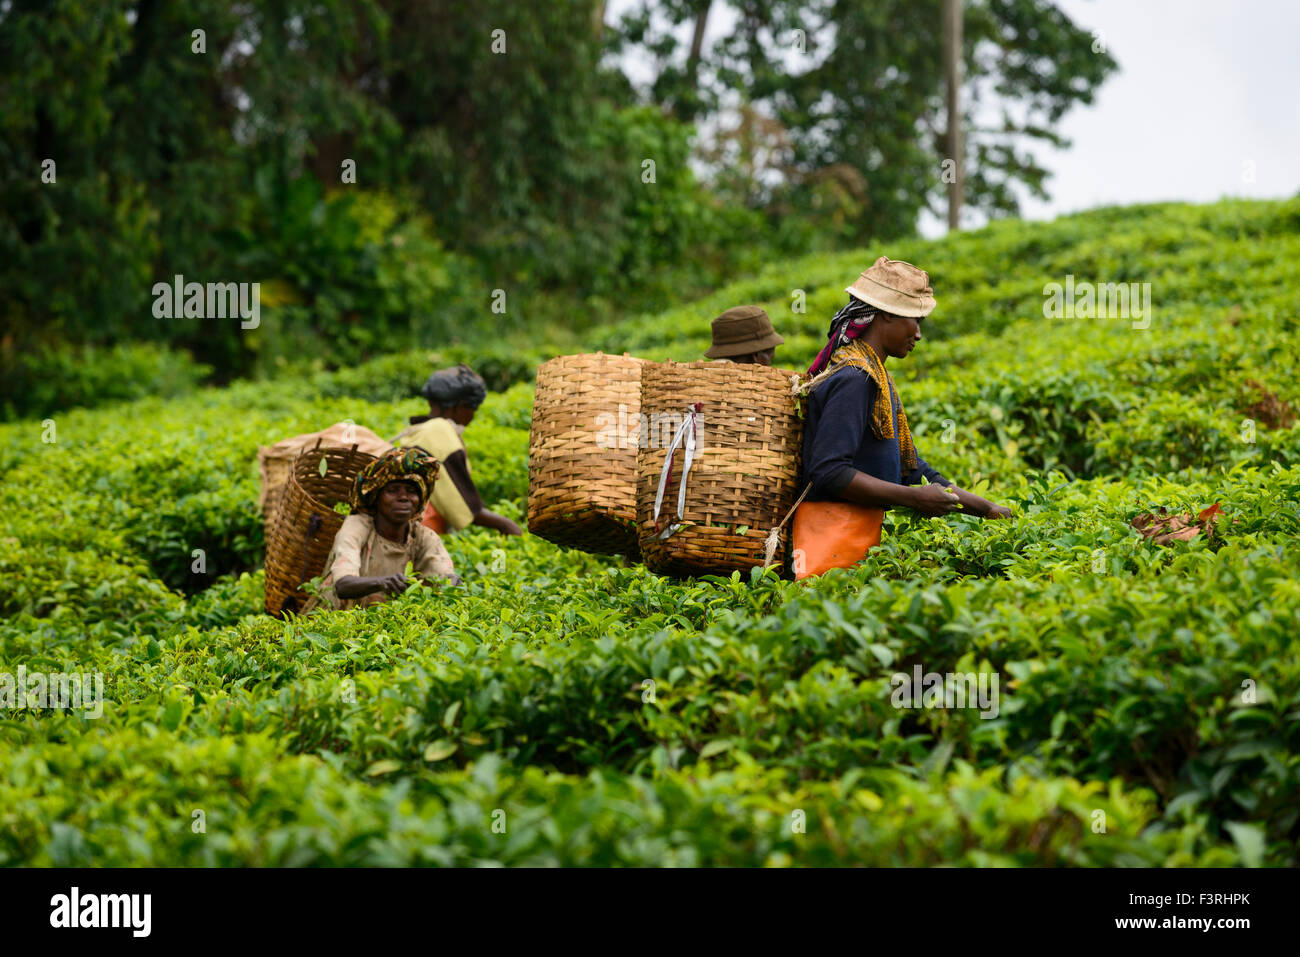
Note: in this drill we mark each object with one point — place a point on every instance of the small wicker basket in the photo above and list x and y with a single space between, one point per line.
305 523
744 475
582 453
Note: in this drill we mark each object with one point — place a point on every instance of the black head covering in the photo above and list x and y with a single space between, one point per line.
455 386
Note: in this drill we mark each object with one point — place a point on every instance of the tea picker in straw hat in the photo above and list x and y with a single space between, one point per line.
858 456
744 334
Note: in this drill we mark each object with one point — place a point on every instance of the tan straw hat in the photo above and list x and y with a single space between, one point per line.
740 331
898 288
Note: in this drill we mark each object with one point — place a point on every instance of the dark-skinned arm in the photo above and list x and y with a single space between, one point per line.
457 466
931 500
490 519
357 586
971 504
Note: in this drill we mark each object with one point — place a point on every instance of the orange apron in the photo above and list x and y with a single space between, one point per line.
830 535
431 519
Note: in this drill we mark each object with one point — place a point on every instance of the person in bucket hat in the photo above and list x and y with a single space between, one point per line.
895 287
744 334
857 444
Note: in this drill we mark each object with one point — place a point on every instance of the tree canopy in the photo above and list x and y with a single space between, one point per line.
845 100
490 146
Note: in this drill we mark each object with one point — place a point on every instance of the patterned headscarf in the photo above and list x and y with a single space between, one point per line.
849 323
396 465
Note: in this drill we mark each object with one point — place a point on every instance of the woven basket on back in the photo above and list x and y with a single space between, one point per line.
275 461
582 452
745 474
305 524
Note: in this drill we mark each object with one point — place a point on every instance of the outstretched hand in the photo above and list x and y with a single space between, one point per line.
935 500
393 584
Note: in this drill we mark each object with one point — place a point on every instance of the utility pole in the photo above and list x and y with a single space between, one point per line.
697 39
693 59
952 70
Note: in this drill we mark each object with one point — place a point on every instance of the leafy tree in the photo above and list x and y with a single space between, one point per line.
847 95
487 129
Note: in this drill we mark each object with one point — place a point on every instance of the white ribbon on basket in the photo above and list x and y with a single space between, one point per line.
685 437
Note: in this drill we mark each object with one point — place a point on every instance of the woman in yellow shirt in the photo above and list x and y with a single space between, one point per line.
454 396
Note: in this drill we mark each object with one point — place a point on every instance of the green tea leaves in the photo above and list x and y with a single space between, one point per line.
440 749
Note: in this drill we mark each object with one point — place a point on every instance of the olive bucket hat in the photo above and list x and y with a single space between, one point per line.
895 287
740 331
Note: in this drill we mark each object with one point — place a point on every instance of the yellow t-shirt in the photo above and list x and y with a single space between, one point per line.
454 494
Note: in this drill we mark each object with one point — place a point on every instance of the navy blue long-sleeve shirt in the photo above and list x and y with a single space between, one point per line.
837 438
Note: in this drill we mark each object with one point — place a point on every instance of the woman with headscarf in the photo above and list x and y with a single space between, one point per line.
454 396
383 534
857 446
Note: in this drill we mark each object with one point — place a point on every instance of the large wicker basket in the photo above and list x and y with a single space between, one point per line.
745 473
582 452
305 524
275 461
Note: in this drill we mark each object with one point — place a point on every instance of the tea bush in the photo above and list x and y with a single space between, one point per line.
36 384
563 708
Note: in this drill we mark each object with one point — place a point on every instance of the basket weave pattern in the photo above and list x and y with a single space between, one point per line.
275 479
275 461
582 452
305 523
745 471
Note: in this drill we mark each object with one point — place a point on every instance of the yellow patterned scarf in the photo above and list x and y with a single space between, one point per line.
859 355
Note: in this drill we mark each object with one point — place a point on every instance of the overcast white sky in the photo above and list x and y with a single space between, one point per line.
1207 93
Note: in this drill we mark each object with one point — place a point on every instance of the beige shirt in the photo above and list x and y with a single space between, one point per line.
360 550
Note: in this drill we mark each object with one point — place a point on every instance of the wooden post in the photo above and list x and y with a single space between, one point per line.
697 39
952 12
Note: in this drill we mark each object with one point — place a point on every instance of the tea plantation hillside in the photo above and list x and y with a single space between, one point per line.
561 708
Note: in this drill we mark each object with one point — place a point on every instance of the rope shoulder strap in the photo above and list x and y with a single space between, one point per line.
774 536
800 386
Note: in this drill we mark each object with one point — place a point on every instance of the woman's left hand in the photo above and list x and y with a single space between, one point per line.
998 511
